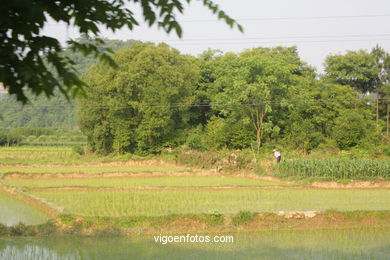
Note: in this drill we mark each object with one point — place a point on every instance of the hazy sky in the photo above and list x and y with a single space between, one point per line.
317 28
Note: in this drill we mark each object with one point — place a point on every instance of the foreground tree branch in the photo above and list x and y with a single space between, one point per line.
30 61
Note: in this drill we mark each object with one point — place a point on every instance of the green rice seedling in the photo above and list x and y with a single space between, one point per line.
90 169
117 203
128 182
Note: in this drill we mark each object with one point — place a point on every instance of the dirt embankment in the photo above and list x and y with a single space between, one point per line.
204 223
352 185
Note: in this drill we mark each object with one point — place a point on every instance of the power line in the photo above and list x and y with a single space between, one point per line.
284 42
214 104
293 18
276 37
271 18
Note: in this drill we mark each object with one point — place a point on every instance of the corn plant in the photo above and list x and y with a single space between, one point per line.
336 169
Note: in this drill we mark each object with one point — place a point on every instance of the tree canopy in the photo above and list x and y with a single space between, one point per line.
159 98
365 71
141 105
252 85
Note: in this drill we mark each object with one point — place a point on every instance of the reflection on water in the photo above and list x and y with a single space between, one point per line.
13 211
315 244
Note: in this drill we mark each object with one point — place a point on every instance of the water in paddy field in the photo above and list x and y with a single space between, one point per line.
367 243
13 211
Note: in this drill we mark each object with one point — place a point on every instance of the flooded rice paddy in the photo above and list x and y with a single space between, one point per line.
13 211
368 243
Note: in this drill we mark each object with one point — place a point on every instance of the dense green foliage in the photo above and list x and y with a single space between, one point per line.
365 71
40 136
158 98
8 138
264 97
42 112
138 106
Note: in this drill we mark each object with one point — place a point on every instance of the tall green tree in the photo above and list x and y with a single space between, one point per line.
201 111
367 72
314 107
363 70
142 105
252 87
351 127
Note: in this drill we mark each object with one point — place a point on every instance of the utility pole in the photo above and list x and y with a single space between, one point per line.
387 118
377 112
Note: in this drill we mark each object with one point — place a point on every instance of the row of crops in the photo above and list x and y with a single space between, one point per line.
336 169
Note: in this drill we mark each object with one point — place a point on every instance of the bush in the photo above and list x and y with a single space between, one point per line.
243 159
216 218
243 217
78 149
350 128
328 145
9 139
18 230
303 135
195 139
3 230
33 131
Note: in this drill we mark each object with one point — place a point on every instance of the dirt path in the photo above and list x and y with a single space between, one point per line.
165 188
352 185
157 188
105 175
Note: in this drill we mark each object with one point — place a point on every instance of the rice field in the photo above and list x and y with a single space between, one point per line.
132 182
35 150
116 203
49 155
90 169
336 169
13 211
172 193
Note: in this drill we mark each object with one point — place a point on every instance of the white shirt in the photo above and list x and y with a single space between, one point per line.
276 154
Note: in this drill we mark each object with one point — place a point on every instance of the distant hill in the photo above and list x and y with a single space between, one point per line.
55 112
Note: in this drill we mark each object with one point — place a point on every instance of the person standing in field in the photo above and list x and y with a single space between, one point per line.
278 156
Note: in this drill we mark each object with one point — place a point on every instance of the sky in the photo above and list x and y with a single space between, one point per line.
317 28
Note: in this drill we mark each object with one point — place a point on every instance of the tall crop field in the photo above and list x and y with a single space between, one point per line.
336 169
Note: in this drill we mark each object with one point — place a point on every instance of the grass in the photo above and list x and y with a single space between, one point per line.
164 202
13 151
32 155
184 181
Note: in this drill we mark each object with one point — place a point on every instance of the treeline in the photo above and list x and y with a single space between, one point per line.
158 98
54 112
40 136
